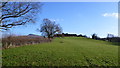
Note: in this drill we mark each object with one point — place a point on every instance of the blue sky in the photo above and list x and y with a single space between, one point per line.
77 17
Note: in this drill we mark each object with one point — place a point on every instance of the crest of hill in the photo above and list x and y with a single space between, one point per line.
34 36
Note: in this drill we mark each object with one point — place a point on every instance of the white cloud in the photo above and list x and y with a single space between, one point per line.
115 15
70 32
57 20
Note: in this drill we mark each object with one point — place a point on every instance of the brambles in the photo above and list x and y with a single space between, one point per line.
22 40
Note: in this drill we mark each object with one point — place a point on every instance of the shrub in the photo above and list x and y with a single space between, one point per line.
22 40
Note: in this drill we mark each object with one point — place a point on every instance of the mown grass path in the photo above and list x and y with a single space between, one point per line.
69 51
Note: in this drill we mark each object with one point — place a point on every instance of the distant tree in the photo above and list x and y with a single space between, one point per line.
94 36
84 36
110 35
49 28
80 35
17 13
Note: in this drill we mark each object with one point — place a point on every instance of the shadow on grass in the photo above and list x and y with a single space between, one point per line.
115 43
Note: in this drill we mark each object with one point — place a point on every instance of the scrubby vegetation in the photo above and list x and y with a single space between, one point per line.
13 41
67 51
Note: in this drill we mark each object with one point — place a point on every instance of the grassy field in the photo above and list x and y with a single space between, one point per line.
69 51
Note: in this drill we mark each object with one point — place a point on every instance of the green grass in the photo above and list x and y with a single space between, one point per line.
69 51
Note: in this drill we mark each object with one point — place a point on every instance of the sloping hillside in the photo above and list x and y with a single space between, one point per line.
69 51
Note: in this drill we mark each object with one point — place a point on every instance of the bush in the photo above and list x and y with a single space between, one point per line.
22 40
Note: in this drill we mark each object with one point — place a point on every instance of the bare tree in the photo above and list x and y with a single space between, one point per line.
110 36
17 13
94 36
49 28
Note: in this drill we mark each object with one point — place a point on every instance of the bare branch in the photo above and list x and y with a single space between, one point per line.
17 13
3 4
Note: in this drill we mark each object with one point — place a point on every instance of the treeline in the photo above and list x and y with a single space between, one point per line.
69 35
110 37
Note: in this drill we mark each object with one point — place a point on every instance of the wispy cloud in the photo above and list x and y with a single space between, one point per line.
57 20
115 15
